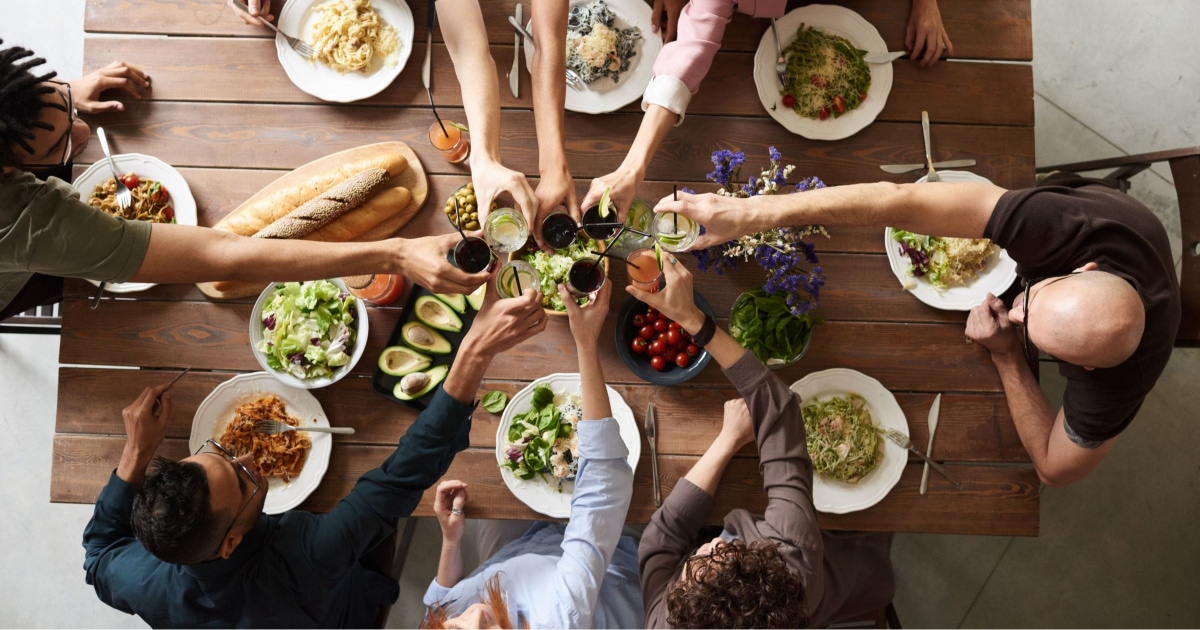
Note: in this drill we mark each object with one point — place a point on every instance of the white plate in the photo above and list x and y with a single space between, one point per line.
839 497
537 493
360 341
149 168
835 21
296 19
217 410
604 95
995 278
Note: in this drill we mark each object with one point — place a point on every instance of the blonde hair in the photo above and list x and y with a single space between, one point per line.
436 617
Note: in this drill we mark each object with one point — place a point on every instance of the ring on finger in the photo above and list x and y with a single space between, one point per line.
456 511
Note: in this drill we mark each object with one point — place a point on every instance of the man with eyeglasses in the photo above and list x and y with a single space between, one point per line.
1100 296
188 545
47 232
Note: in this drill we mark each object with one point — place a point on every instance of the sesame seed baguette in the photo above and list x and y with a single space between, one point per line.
327 206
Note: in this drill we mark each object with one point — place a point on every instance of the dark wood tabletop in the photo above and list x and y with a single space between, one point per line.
223 112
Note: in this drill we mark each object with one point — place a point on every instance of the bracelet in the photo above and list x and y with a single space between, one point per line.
706 332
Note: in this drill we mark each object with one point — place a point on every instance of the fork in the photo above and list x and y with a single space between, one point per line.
573 79
932 176
297 45
273 427
652 440
124 198
902 441
780 61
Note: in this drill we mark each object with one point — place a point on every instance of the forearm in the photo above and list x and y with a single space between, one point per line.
591 378
450 564
1031 412
706 473
722 347
549 88
656 124
132 467
467 43
466 374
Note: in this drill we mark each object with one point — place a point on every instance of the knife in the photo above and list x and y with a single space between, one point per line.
908 168
933 420
884 57
514 77
426 65
652 439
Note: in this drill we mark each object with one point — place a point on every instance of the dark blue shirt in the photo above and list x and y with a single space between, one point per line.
297 569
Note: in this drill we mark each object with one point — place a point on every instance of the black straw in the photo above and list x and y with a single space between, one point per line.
623 228
517 277
610 256
435 114
675 197
458 219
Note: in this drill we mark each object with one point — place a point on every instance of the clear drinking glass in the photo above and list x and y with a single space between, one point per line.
506 230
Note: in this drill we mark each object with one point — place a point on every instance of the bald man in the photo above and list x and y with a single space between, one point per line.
1100 292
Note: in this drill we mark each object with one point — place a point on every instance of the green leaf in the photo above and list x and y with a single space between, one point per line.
495 401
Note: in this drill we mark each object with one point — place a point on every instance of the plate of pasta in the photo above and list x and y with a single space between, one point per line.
855 466
160 195
952 274
834 92
360 46
293 463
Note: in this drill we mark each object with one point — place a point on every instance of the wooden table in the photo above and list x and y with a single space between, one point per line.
224 113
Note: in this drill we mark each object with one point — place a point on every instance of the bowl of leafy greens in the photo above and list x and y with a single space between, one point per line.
308 334
764 325
552 268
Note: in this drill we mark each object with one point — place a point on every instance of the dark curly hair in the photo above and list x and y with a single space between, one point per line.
739 585
21 102
172 514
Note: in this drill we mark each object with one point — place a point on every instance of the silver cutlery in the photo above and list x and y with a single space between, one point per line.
273 427
780 61
908 168
124 198
933 422
158 400
573 79
426 65
884 57
902 441
932 176
296 44
514 77
652 438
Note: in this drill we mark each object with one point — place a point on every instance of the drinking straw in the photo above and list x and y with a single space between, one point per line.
623 228
458 219
517 277
675 197
610 257
435 114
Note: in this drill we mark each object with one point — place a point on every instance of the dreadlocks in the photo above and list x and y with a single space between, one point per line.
21 101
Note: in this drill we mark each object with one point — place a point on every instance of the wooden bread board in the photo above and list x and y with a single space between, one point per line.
413 178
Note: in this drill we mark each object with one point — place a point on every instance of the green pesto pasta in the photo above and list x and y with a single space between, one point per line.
827 73
842 441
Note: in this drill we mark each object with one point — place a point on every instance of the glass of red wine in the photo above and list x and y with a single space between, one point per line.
471 254
559 230
585 277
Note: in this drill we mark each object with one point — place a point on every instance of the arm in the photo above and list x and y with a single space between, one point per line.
448 506
549 97
476 71
925 38
1060 456
960 210
624 181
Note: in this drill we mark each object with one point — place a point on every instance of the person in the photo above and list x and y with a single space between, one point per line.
579 575
775 570
683 63
187 545
1100 292
47 232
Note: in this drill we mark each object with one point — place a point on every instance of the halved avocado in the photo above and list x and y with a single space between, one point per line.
401 360
456 301
476 297
436 314
432 377
424 338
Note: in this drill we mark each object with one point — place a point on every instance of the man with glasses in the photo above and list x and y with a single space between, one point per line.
1101 294
188 545
47 232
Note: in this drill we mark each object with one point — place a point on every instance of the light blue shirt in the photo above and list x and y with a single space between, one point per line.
580 575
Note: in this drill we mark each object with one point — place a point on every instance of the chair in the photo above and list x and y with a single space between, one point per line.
1185 167
885 617
388 558
41 320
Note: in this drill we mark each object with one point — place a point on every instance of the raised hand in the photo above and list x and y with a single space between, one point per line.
718 214
448 506
423 260
587 321
988 326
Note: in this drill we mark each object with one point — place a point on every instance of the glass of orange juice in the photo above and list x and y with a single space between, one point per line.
644 270
448 138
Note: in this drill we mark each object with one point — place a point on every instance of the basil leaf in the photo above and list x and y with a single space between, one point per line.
495 401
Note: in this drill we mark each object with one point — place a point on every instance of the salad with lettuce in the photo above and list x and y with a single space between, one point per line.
553 269
542 442
942 260
308 328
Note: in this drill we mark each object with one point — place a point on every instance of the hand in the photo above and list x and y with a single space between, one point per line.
448 507
925 37
260 11
988 326
738 426
491 179
145 427
555 189
586 321
423 260
623 184
718 215
666 12
117 75
675 300
504 323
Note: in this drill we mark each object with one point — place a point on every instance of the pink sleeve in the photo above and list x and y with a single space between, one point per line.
701 27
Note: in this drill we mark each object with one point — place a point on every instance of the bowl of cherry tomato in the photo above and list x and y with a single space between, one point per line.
656 349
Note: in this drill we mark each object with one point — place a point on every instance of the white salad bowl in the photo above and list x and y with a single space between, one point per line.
360 342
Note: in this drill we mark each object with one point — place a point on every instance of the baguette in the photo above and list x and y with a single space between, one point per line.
252 218
383 206
328 206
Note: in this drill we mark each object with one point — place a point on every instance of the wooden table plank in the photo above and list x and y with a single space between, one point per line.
288 136
994 500
245 70
997 29
973 427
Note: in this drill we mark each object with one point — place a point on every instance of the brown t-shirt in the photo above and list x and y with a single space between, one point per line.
1052 230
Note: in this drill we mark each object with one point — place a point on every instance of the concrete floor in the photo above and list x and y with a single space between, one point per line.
1118 549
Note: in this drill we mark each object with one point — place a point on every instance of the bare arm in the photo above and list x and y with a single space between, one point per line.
586 323
624 181
944 209
549 98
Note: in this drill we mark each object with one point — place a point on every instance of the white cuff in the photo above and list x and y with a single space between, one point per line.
668 92
435 594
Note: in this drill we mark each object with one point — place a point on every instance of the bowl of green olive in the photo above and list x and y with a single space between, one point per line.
468 212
